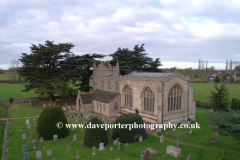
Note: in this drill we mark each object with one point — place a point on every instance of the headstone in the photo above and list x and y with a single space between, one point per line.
29 125
119 147
94 152
81 143
30 135
111 149
177 145
69 148
55 137
142 156
68 119
72 128
24 148
33 140
115 142
188 157
44 105
153 151
140 138
76 119
54 103
22 129
126 144
23 136
41 139
35 147
190 132
146 154
27 121
77 157
101 146
26 155
161 139
38 154
35 128
49 152
74 137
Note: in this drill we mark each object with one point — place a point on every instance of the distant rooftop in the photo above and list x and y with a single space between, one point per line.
150 74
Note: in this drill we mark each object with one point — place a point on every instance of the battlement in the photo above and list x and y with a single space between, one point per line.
105 66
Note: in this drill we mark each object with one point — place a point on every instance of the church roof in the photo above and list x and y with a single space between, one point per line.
150 74
87 97
105 96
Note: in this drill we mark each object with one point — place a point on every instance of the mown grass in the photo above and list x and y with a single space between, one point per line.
201 91
6 76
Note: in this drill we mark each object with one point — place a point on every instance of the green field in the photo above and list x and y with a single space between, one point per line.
201 91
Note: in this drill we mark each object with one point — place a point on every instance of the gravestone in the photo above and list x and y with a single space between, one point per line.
142 156
22 128
109 121
34 118
30 135
35 128
101 146
25 155
173 151
33 140
81 143
24 136
69 148
27 121
188 157
119 147
84 121
111 149
153 151
126 144
29 125
49 152
72 128
190 132
94 152
161 139
146 154
55 137
38 154
54 103
177 145
77 157
24 148
35 147
68 119
115 142
76 119
140 138
103 119
74 138
44 105
41 139
49 104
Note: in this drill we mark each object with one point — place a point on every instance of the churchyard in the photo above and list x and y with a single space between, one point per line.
59 148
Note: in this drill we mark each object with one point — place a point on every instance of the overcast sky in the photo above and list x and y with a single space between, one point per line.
179 32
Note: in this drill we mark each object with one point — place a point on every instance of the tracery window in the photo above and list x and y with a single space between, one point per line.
175 98
148 100
128 97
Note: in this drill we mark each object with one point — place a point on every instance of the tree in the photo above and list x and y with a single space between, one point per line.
45 69
217 79
2 71
228 123
212 69
82 67
134 60
231 80
235 104
220 97
14 68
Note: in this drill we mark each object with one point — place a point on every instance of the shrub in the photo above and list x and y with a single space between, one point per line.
203 104
124 134
235 104
95 135
46 124
217 80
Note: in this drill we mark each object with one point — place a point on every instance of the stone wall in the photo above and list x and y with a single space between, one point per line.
28 99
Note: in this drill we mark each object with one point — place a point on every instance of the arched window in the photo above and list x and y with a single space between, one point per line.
109 85
175 98
128 97
102 85
148 100
116 106
116 86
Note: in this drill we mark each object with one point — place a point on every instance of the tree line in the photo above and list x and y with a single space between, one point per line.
52 68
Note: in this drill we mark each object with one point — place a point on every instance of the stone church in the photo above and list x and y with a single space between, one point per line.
157 97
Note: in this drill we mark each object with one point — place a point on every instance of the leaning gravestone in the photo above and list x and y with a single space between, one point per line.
74 138
23 136
146 154
101 146
188 157
35 147
153 151
77 157
24 148
30 135
26 155
81 143
111 149
33 140
190 132
41 139
161 139
177 145
38 154
27 121
69 148
49 152
94 152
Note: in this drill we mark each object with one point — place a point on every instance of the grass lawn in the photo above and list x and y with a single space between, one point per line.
5 76
201 91
130 152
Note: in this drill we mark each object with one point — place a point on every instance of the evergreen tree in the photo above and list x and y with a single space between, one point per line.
220 97
217 80
44 69
134 60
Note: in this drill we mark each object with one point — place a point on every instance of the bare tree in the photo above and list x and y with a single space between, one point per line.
13 68
230 66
